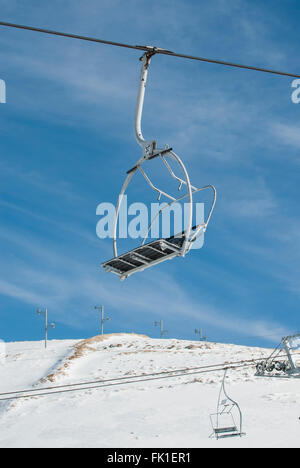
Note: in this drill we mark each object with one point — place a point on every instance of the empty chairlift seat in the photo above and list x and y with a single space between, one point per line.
158 250
144 256
227 421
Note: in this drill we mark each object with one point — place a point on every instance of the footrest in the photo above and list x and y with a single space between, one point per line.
226 430
230 434
144 256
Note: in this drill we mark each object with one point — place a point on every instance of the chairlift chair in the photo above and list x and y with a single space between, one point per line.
227 421
157 251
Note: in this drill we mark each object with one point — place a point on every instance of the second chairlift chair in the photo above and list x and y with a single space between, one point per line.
228 420
158 250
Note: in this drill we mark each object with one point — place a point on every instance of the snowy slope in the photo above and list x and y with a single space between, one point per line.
163 413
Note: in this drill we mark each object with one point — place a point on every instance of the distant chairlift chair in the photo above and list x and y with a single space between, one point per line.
149 254
227 421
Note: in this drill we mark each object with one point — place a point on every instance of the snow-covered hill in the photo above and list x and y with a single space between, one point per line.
172 412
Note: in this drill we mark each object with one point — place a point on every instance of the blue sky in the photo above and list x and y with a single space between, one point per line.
67 141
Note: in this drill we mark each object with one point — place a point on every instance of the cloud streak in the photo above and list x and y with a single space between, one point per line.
60 283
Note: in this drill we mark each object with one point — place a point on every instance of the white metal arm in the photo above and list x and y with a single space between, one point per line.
149 145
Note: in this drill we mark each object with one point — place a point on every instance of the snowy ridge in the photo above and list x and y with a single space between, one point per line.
162 413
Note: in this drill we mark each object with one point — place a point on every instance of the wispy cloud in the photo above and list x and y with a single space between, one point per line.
251 199
74 230
21 294
34 178
287 135
67 286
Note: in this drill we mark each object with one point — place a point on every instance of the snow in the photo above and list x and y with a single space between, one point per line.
161 413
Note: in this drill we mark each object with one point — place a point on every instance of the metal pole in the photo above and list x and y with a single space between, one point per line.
147 145
162 331
46 328
200 333
45 313
102 319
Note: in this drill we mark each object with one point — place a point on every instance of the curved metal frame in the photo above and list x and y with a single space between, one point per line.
222 409
234 403
188 195
200 228
149 152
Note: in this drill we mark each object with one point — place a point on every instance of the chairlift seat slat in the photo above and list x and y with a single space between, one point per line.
226 430
145 256
235 434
